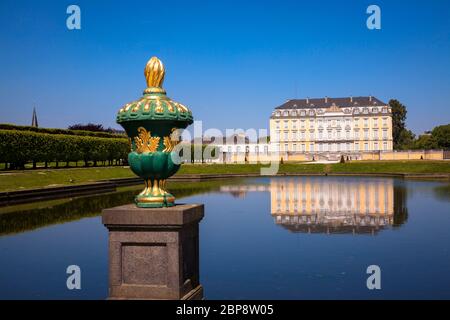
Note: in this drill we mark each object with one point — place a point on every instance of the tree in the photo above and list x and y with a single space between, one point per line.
405 140
425 142
90 127
398 122
441 134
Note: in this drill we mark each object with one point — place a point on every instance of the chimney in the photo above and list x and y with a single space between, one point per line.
326 99
370 98
351 98
307 100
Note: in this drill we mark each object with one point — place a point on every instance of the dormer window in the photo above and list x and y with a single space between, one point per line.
374 110
365 111
286 113
294 113
302 113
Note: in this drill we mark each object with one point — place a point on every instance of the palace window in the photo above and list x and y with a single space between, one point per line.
356 122
357 146
311 147
266 149
303 124
294 113
347 134
349 146
384 134
286 147
238 149
294 147
302 113
338 134
286 136
294 124
329 134
366 122
286 113
375 146
366 146
303 147
229 149
384 122
375 134
366 134
320 135
375 122
286 124
278 124
277 136
385 145
311 135
356 134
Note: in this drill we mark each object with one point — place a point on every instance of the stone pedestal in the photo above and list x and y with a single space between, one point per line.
154 253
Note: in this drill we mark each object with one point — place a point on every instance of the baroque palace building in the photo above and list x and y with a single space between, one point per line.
330 127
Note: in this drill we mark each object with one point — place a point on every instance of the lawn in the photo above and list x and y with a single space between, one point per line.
19 180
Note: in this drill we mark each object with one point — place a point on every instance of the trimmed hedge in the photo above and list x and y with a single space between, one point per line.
20 147
7 126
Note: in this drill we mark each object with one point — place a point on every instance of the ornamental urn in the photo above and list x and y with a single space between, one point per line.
151 123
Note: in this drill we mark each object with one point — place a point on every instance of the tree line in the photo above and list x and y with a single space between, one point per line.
18 148
405 139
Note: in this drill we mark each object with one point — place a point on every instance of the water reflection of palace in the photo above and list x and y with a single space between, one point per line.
335 206
327 205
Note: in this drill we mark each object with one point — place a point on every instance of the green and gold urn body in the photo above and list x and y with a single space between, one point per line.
152 124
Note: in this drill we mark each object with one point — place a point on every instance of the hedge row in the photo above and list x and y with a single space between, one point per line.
7 126
20 147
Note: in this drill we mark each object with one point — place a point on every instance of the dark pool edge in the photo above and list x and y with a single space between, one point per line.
111 185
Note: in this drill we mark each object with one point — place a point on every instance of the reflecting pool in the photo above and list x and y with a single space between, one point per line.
261 238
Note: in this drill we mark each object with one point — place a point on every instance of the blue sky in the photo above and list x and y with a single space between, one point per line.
231 62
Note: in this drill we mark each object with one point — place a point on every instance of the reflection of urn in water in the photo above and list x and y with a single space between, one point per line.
151 124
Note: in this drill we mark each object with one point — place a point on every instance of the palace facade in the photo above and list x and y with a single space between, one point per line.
330 127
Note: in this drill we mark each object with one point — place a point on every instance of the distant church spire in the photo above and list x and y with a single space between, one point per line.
34 121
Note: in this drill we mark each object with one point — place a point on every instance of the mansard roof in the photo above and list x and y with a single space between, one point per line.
329 102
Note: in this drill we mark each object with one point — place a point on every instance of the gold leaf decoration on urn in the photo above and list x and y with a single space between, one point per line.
170 142
145 142
154 72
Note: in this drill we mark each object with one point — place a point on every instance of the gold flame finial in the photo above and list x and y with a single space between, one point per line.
154 72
